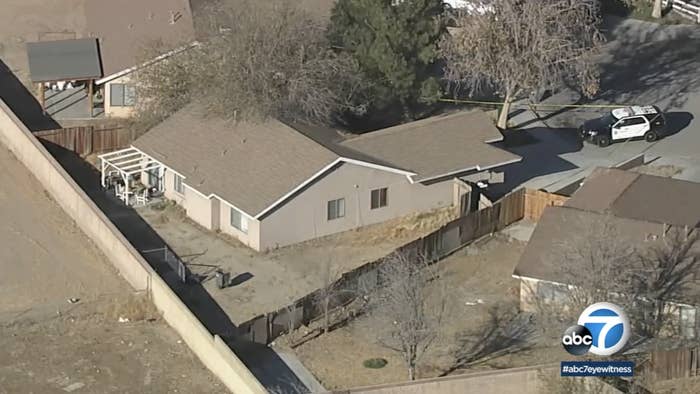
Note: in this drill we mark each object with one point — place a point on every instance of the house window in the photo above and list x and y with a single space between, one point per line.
687 316
238 220
178 184
336 209
378 198
122 95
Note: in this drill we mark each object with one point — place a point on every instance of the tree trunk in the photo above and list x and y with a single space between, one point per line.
505 110
325 317
411 372
656 11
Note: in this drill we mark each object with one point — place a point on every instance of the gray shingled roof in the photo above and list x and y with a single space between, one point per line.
126 30
64 60
437 146
639 196
248 165
252 166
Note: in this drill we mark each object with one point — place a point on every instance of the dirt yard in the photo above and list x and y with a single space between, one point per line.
478 277
23 21
267 281
61 303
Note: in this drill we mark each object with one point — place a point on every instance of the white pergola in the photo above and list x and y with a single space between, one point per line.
126 162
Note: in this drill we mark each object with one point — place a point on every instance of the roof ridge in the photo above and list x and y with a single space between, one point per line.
408 126
297 131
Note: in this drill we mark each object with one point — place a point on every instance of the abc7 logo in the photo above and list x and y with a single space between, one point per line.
602 329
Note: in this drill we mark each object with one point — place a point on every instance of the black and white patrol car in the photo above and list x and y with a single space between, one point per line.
622 124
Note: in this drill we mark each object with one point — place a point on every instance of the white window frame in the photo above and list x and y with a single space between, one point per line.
687 321
379 192
128 94
241 223
338 211
178 184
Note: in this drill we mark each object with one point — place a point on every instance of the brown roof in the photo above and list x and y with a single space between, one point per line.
249 165
560 228
436 146
638 196
124 28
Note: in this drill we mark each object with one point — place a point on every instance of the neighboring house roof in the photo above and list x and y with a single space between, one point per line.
639 196
124 30
639 209
64 60
560 229
437 146
255 167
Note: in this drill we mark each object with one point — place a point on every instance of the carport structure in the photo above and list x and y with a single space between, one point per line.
76 60
124 164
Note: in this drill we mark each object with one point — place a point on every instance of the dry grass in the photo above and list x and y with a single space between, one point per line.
168 211
408 227
136 307
664 170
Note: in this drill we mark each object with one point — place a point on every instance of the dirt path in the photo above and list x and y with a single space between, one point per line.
51 345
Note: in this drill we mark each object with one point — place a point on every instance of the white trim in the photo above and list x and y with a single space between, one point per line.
519 159
129 70
326 168
299 187
116 152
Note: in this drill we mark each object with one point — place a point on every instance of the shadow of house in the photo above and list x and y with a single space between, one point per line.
540 149
23 103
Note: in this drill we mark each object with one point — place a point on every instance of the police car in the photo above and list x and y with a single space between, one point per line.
622 124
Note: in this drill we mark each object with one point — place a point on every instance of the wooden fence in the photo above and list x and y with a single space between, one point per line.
536 201
673 364
687 9
353 284
85 140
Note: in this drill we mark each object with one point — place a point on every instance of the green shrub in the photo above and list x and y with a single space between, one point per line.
375 363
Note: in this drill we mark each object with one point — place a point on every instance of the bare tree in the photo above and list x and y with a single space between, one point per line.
520 46
255 60
663 274
646 278
505 331
406 312
656 11
328 293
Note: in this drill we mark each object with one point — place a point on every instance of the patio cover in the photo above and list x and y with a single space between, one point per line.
64 60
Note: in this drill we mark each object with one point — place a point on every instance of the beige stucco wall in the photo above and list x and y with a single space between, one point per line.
251 238
116 112
305 216
198 207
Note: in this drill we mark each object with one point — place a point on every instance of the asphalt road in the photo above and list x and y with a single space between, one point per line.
643 64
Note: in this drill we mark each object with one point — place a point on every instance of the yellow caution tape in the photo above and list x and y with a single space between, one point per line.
498 103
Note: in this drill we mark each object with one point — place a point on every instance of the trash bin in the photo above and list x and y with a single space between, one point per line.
220 279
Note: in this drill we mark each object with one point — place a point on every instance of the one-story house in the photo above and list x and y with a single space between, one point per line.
123 32
270 185
103 61
641 209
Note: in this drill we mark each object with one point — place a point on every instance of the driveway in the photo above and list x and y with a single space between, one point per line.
643 63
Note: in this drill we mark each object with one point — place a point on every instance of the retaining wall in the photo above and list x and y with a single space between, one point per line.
211 350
